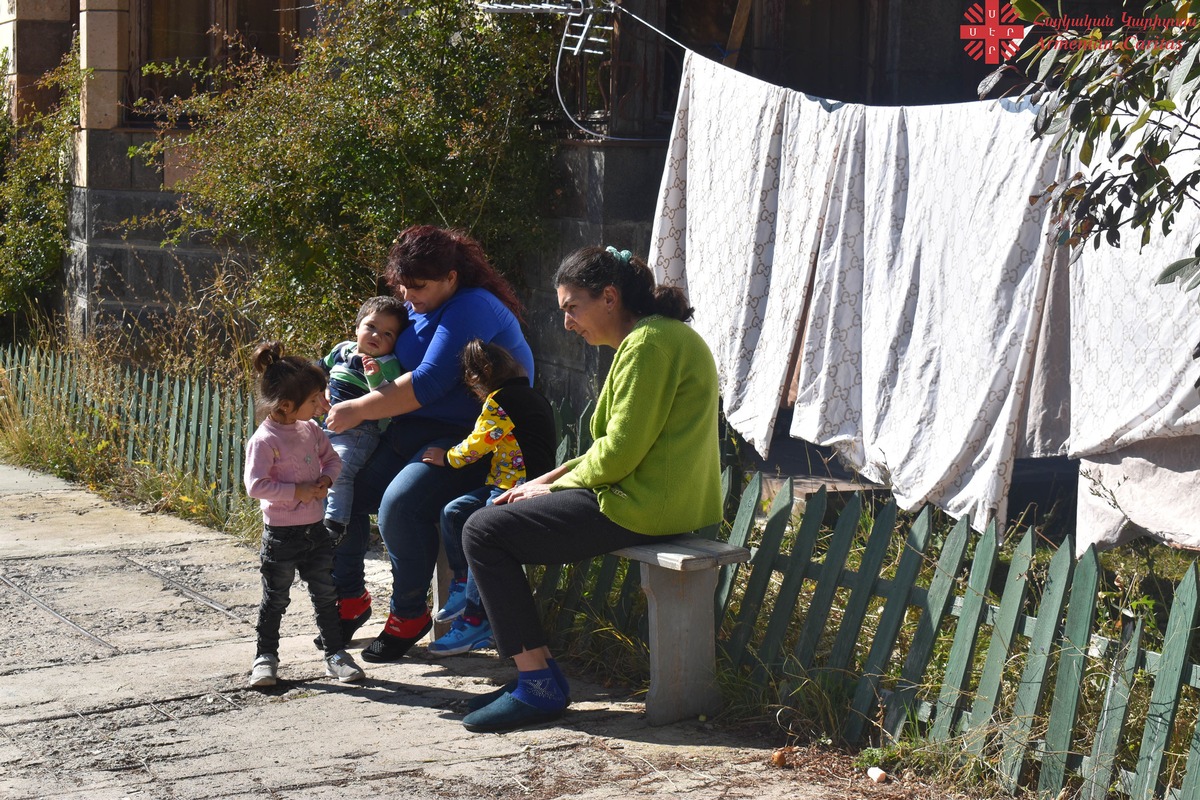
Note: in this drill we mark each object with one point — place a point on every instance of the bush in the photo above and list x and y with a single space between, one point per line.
394 114
35 183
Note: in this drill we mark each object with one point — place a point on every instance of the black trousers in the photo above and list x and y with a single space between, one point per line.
556 528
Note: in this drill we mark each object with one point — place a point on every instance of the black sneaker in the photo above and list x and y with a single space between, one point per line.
349 628
389 647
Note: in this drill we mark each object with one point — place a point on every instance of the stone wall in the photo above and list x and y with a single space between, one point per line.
609 191
116 271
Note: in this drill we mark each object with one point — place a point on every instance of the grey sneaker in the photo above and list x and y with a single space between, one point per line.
341 666
265 671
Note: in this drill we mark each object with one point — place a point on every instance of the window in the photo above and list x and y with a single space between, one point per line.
194 31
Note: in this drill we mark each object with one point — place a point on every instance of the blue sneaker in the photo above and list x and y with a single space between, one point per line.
456 603
462 637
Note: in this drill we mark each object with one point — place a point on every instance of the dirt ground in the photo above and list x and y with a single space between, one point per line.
126 638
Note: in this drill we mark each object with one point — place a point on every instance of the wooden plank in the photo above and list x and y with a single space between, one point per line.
1191 780
1064 703
1018 730
686 553
171 411
780 620
1004 631
761 568
941 595
966 634
1164 697
602 589
866 694
817 616
1097 771
737 33
739 535
855 612
631 589
577 581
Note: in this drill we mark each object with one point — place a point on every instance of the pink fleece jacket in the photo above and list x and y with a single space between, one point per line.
280 456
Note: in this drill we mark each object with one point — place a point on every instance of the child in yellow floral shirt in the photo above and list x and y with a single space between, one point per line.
516 427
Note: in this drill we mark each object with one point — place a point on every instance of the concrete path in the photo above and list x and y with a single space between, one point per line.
126 639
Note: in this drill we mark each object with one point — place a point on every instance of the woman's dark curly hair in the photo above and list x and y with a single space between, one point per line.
429 253
593 268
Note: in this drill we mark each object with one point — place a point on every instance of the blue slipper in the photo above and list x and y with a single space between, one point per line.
487 698
507 713
483 700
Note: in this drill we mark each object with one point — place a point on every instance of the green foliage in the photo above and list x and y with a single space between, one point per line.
395 114
1124 98
35 183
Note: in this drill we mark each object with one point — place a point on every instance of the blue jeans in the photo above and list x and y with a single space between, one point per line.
408 496
354 447
286 550
454 516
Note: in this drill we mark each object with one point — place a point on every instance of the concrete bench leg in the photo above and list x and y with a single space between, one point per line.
683 650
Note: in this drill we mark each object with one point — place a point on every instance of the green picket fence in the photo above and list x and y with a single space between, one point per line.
1007 685
912 638
189 426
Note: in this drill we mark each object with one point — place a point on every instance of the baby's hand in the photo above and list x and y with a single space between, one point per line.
370 365
435 456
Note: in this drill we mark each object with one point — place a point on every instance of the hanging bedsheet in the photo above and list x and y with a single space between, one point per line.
1135 409
925 264
939 334
954 276
742 206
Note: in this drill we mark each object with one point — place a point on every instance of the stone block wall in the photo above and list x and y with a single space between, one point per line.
609 192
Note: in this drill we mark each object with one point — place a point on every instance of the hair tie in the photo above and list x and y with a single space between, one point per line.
622 255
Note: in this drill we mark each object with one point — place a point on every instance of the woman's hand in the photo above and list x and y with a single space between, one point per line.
532 487
344 416
522 492
308 492
435 456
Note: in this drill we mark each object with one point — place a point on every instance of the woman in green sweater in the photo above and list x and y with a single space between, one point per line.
653 469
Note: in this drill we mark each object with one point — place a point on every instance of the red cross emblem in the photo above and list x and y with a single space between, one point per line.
991 32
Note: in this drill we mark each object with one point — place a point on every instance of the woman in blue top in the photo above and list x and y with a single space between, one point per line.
454 295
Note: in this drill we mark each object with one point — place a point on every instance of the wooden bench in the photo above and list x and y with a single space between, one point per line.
679 578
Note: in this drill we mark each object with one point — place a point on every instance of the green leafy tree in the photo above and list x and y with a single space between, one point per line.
394 114
1124 98
35 187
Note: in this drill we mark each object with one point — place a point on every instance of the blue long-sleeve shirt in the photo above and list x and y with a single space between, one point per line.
434 342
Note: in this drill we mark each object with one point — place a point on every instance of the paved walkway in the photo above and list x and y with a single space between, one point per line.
125 641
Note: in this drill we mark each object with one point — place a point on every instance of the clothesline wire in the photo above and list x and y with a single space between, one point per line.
558 82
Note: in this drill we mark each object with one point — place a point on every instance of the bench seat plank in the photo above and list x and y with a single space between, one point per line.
687 553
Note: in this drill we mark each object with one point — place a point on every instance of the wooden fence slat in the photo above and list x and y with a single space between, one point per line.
1068 685
602 588
1004 631
761 568
844 644
1191 780
631 590
577 579
920 651
1033 679
780 621
966 634
206 443
1164 697
866 693
817 615
739 535
1098 773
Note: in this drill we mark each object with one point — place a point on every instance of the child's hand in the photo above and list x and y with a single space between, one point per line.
308 492
435 456
370 365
